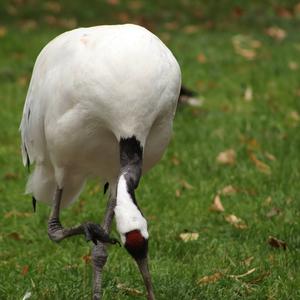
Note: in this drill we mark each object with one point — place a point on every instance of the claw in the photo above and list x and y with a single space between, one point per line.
95 233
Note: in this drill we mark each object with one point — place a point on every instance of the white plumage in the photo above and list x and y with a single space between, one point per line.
89 87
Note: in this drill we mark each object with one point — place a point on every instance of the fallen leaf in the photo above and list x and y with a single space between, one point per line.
10 176
87 258
284 13
243 275
270 156
261 166
54 7
3 31
227 157
245 46
178 193
268 201
236 222
128 290
15 213
210 278
189 29
25 270
135 5
171 25
273 212
15 236
294 115
293 65
297 9
248 94
276 33
201 58
175 160
247 261
276 243
217 205
186 185
228 190
113 2
189 236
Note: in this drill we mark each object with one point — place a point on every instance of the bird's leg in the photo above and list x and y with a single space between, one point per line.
99 253
57 232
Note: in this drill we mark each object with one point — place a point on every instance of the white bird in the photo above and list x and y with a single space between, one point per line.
101 102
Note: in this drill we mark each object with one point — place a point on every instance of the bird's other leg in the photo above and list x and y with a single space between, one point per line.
99 252
57 232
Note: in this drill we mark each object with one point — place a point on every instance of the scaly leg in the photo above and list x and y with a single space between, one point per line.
57 232
99 252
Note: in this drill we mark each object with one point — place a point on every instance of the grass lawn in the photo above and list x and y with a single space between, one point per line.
244 61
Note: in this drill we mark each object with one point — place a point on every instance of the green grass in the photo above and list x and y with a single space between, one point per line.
29 261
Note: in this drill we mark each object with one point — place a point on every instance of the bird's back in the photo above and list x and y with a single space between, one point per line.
92 86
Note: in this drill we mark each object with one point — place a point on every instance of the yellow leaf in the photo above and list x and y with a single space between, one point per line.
248 95
227 157
270 156
261 166
189 236
210 278
228 190
3 31
186 185
217 204
276 33
236 222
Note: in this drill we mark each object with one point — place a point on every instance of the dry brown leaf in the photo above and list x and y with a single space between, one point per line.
293 65
15 213
3 31
261 166
189 29
270 156
294 115
135 4
276 33
228 190
245 46
178 193
236 222
248 94
247 261
175 160
201 58
128 290
227 157
243 275
276 243
268 201
171 25
14 236
274 211
186 185
53 7
297 9
25 270
28 24
284 13
210 278
217 205
10 176
113 2
189 236
87 258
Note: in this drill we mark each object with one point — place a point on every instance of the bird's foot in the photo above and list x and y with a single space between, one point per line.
95 233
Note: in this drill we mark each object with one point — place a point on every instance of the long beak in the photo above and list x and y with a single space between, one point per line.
144 269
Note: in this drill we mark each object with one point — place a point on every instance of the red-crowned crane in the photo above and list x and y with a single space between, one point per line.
101 102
